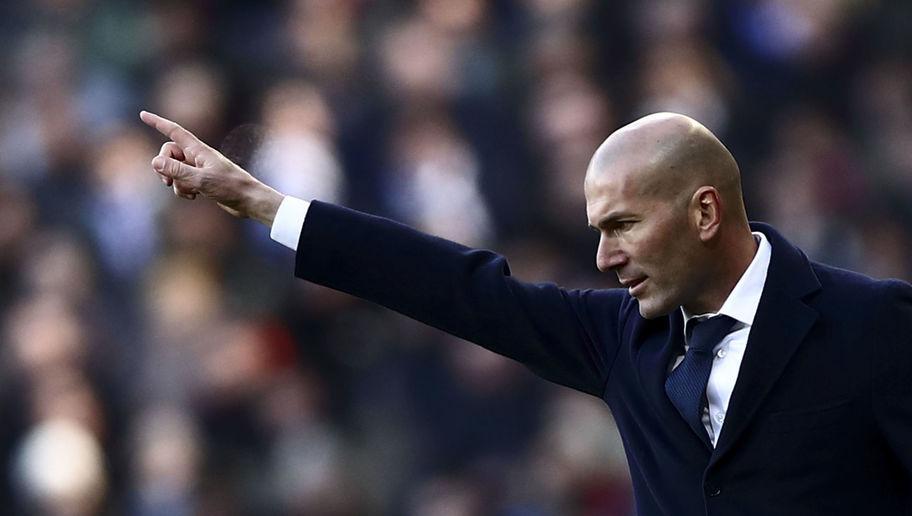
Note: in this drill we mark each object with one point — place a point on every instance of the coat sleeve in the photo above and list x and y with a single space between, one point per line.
570 337
892 374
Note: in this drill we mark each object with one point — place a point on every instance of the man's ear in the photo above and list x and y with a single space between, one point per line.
707 212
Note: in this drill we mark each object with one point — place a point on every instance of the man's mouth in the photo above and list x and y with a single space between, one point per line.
634 286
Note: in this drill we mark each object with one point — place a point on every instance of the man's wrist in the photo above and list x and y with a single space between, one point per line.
263 203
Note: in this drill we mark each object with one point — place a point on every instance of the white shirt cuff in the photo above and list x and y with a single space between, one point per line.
286 227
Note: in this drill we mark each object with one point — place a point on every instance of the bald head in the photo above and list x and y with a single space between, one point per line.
668 155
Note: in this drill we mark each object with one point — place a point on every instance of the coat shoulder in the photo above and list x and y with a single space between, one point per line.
835 277
858 293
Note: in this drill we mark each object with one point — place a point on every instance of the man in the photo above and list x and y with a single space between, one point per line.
744 379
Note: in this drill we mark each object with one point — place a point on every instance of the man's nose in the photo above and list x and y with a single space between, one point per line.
609 256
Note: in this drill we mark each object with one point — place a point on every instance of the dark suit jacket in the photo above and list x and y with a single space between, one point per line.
820 420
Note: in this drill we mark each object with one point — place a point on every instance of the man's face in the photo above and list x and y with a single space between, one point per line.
646 239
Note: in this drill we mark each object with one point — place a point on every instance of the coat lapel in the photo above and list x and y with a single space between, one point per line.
780 325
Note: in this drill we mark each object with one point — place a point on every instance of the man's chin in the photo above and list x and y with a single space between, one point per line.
652 310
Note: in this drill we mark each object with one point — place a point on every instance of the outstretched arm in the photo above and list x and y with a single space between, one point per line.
570 337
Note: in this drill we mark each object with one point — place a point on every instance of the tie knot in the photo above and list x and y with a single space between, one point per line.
706 333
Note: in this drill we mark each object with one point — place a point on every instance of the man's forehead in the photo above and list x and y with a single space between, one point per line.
610 195
624 186
617 176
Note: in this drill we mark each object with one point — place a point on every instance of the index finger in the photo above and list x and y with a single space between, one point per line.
172 130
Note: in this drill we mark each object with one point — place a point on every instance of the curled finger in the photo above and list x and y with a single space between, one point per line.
172 150
176 170
183 191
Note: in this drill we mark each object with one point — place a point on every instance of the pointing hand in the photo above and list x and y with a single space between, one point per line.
193 168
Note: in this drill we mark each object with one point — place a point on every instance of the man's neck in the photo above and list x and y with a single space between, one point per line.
739 255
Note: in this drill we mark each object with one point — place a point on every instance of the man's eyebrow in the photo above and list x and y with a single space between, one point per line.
609 219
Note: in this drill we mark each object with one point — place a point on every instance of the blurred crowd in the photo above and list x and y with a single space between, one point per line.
158 358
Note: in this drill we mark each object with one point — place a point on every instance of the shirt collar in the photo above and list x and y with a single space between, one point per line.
744 299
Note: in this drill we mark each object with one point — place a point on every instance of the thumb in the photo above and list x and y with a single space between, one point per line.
177 170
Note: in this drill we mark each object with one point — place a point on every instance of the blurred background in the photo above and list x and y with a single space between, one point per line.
156 355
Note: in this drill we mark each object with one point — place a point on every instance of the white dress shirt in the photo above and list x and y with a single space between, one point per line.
740 305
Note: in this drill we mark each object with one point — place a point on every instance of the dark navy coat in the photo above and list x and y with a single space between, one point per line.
820 420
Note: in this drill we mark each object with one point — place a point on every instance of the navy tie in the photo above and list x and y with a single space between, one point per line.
686 385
